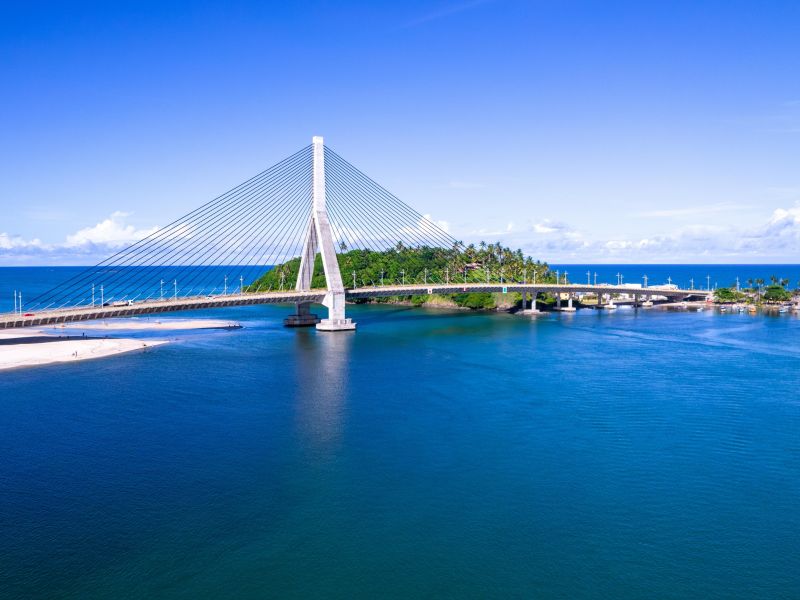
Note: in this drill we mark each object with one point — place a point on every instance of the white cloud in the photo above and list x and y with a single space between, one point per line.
9 242
86 245
776 239
111 232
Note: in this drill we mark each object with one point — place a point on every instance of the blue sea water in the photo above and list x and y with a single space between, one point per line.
634 454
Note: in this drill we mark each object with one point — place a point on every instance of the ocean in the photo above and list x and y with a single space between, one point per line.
432 453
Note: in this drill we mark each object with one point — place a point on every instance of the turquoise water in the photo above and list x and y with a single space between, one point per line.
431 454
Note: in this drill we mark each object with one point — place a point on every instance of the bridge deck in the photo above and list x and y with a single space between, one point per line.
88 313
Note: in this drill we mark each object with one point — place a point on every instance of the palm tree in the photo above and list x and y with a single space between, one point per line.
759 283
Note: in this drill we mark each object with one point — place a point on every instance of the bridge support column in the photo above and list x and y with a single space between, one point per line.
302 317
319 238
336 320
569 307
532 310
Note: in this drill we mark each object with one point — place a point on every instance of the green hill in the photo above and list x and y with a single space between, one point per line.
417 265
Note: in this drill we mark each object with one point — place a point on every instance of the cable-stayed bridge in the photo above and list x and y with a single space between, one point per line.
313 205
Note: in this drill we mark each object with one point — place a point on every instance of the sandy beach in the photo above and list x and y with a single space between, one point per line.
35 349
150 324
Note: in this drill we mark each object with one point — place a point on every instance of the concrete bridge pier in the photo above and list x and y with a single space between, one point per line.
532 310
302 316
569 307
336 320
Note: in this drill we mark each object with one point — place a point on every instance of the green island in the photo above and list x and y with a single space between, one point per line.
471 264
403 264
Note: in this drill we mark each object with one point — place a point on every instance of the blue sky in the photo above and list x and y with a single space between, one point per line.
580 131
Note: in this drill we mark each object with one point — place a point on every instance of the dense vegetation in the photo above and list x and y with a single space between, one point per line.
419 265
775 292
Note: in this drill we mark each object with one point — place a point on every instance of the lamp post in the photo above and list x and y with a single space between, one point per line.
708 282
588 278
241 284
595 277
175 289
225 287
162 289
645 280
102 297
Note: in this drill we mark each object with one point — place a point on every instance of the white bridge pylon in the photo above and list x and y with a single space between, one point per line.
319 238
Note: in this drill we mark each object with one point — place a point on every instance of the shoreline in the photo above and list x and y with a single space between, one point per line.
146 324
23 348
37 349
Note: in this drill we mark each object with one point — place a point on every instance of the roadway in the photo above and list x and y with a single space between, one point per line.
149 307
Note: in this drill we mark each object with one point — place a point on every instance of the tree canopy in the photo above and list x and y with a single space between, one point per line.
402 264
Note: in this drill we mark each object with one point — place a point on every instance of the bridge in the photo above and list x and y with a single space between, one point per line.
296 209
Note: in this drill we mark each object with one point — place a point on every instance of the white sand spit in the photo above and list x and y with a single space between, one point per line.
134 323
43 353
